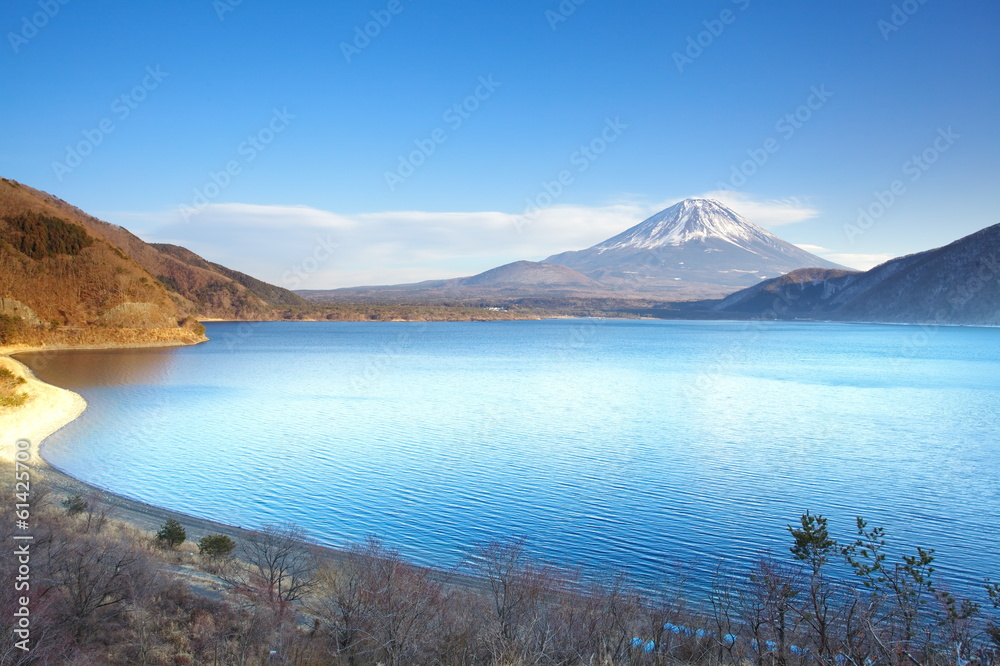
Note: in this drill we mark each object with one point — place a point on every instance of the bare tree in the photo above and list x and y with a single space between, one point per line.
279 567
602 621
379 606
724 602
771 610
96 577
519 593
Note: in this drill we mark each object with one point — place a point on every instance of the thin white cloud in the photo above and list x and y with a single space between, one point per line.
278 217
278 243
815 249
859 261
767 213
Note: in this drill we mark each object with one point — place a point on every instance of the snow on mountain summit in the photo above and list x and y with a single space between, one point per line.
690 220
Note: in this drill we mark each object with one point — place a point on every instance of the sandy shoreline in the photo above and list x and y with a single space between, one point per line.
48 409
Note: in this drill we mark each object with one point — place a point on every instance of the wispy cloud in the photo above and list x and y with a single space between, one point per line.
765 213
405 246
851 260
860 261
815 249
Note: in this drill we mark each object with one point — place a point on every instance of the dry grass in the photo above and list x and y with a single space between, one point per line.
10 393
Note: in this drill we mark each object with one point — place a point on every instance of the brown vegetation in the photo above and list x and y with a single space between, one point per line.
65 275
105 593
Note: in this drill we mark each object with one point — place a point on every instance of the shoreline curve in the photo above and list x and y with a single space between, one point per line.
52 408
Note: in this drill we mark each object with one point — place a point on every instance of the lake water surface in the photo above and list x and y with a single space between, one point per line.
636 445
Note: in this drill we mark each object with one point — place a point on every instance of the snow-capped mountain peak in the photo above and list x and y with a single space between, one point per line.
687 221
699 244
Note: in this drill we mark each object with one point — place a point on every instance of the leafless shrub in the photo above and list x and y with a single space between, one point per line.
278 570
378 607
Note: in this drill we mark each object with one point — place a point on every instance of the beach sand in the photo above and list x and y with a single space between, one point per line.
47 410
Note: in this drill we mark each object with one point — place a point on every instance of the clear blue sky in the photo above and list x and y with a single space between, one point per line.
688 123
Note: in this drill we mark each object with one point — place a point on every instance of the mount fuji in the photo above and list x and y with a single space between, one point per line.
696 249
697 245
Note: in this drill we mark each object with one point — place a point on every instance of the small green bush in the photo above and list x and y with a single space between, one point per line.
192 324
216 546
172 534
74 504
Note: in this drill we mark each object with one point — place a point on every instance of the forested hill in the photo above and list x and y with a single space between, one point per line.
66 276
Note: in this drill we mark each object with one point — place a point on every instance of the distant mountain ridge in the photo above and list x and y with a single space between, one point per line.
958 283
516 279
697 248
269 294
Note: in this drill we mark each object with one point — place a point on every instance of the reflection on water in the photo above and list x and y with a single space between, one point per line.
612 444
86 369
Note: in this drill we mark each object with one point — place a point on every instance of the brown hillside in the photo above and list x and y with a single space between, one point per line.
196 286
57 272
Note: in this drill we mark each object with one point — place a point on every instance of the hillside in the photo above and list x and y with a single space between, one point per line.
68 277
57 276
269 295
197 286
955 284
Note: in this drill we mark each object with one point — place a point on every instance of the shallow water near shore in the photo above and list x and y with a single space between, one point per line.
653 447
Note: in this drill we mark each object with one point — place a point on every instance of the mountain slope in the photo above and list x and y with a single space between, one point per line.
955 284
266 292
517 279
697 242
528 273
198 287
57 275
67 277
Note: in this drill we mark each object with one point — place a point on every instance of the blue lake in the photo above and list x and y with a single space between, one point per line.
654 447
